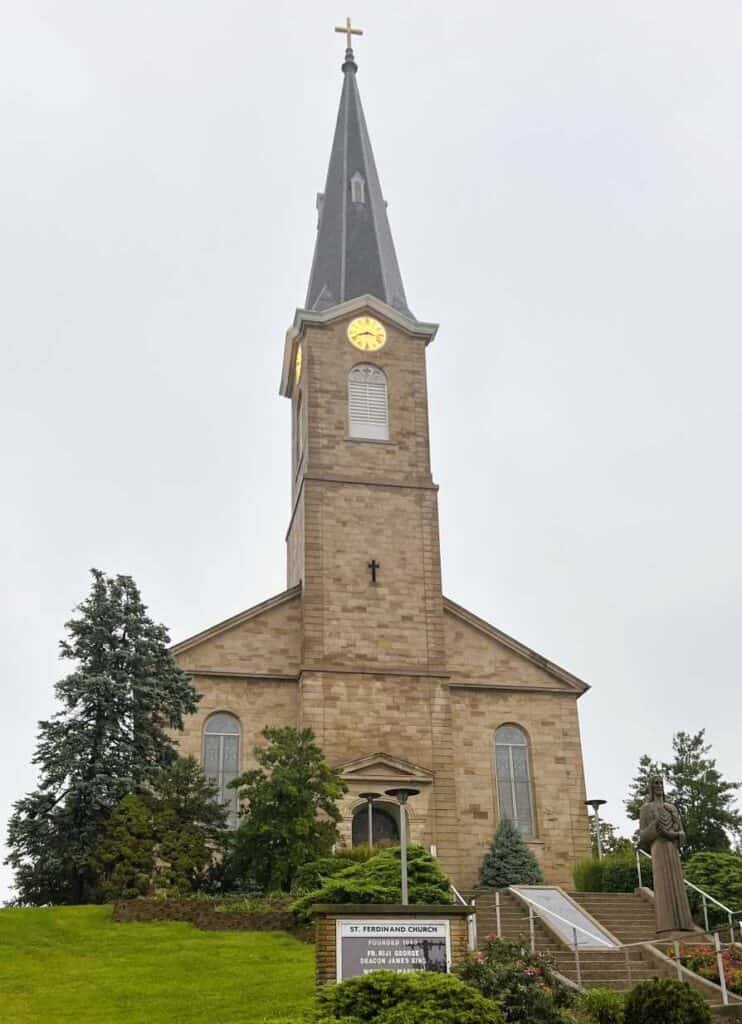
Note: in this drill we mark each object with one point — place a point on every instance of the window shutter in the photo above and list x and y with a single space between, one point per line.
368 406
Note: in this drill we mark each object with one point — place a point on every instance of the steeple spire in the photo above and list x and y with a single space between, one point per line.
354 252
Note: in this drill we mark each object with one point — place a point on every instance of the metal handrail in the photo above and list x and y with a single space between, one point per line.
706 898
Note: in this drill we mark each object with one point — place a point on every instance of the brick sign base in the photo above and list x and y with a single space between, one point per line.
375 934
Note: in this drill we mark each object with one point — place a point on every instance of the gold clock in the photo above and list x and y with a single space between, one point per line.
297 364
366 334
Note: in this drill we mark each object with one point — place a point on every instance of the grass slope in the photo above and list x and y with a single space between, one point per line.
74 964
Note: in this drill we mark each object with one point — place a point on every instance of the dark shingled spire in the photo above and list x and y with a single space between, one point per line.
354 253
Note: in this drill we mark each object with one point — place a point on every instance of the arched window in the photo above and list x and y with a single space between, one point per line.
222 758
385 824
514 777
368 409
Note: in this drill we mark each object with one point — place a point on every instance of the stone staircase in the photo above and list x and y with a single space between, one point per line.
627 916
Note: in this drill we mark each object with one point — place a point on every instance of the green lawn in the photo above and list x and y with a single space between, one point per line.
75 964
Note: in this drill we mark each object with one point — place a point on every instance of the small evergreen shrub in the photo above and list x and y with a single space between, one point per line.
523 983
667 1001
600 1006
378 880
509 861
421 997
588 875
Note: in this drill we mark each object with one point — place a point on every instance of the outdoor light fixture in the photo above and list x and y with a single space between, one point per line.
402 795
595 804
370 797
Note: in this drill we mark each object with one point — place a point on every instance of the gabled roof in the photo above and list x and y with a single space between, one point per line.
354 252
236 620
576 684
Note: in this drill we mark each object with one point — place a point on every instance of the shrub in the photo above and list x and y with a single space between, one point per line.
523 983
618 872
588 875
720 875
509 861
378 880
601 1006
665 1000
422 997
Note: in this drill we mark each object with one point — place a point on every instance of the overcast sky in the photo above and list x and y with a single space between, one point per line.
564 191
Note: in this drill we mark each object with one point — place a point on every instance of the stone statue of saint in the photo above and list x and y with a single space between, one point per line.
661 834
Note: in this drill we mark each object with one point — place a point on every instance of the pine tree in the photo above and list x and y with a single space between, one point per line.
509 861
189 824
291 814
110 737
125 853
639 788
704 799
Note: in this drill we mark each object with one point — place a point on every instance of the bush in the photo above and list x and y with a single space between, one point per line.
665 1000
720 875
422 997
588 875
702 961
600 1006
509 861
523 983
378 880
619 872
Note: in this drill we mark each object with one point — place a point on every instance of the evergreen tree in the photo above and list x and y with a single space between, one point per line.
704 799
509 861
125 854
639 788
189 824
110 736
291 814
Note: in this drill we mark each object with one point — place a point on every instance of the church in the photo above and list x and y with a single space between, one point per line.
400 685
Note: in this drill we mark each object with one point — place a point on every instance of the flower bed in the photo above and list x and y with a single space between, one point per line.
702 961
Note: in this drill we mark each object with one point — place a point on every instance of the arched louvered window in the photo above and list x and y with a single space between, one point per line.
298 429
514 777
368 406
357 189
222 759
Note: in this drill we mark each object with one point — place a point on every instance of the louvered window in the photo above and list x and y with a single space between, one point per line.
514 778
222 759
368 407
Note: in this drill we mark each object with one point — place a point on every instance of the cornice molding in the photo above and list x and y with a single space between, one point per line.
309 317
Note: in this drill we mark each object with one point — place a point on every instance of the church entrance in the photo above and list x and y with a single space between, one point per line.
385 825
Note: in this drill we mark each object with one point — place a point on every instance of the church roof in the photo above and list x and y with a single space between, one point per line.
354 252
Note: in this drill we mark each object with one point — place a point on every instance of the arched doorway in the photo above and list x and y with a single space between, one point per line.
385 824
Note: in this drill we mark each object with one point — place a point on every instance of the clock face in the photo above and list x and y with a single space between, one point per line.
366 334
297 365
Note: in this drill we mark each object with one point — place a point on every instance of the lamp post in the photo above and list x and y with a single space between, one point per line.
369 798
595 804
403 795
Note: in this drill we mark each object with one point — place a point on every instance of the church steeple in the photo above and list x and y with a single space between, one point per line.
354 252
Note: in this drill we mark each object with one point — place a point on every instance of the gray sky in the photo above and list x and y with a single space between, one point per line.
564 191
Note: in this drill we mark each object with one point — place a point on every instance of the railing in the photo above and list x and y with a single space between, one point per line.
552 913
625 946
471 921
706 898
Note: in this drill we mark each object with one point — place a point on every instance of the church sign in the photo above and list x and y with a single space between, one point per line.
395 945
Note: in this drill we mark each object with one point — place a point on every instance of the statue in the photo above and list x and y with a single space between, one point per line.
661 834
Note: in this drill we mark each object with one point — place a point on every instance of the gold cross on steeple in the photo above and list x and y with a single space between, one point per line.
349 32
